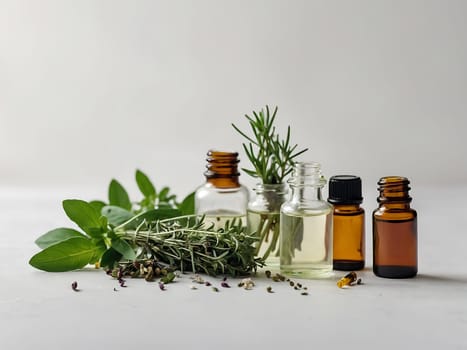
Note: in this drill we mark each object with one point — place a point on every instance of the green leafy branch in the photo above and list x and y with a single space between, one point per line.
158 227
272 157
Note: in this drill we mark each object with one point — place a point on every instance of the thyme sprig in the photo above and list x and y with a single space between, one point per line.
272 157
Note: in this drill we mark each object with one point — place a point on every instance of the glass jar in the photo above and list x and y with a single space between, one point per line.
306 226
263 220
222 197
394 230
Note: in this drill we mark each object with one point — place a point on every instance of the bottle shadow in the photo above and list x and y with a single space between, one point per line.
445 279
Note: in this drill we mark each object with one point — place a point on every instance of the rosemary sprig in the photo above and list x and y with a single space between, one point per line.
272 157
188 243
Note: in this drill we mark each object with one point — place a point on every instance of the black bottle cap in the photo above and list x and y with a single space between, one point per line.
345 189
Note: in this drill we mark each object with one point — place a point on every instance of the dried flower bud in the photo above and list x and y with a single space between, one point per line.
269 289
74 286
268 273
207 283
225 284
161 286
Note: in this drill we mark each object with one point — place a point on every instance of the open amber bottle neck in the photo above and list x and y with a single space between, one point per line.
222 169
394 192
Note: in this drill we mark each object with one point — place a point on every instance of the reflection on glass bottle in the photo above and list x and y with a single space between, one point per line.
306 226
222 197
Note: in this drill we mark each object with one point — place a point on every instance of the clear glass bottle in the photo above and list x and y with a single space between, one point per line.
394 230
345 194
222 197
306 226
263 219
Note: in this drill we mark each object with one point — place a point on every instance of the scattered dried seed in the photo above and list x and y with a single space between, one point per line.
275 279
304 293
207 283
268 273
299 285
193 287
225 285
291 283
269 289
162 286
215 289
115 289
305 288
359 281
247 283
296 288
198 279
74 286
224 279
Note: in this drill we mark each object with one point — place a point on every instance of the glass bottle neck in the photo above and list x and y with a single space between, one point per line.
304 194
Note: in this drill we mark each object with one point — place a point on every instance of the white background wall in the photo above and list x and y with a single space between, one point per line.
91 90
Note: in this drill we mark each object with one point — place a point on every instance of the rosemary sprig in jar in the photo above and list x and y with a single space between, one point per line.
272 158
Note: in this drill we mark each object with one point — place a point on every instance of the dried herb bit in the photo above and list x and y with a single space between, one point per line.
169 278
291 283
304 293
299 285
193 287
247 283
268 273
347 280
115 289
359 281
215 289
225 284
197 279
162 286
207 283
74 286
269 289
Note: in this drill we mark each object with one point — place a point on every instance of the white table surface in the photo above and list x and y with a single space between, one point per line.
39 310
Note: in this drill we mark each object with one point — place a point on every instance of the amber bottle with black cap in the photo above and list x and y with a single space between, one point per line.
394 230
345 194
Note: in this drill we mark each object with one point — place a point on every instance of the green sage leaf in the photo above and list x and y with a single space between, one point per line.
124 248
98 205
110 258
116 215
159 214
187 207
84 215
144 184
118 196
57 235
71 254
101 247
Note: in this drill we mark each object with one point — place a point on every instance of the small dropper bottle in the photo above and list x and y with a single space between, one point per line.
345 194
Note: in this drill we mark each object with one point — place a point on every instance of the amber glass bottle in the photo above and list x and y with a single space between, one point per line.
222 197
394 230
345 194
